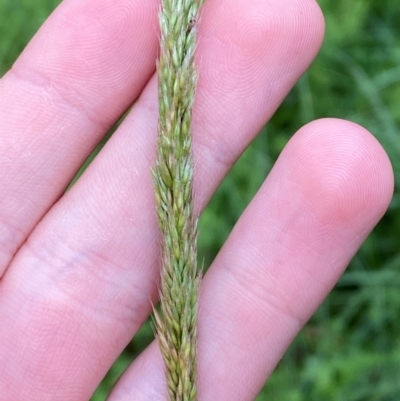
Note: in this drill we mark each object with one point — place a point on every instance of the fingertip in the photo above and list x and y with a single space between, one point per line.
343 170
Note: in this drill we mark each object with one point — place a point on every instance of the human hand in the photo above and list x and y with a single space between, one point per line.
82 269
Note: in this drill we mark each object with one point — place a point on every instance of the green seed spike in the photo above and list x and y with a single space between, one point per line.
173 182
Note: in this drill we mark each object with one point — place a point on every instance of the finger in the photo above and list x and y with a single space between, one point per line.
94 257
78 75
330 186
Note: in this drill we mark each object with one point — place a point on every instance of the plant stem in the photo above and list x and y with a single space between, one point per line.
173 180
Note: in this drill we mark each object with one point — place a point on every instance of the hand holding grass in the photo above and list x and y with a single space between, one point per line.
82 268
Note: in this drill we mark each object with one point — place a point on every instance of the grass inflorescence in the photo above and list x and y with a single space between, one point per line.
173 179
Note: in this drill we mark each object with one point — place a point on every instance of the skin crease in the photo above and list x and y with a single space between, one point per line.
81 268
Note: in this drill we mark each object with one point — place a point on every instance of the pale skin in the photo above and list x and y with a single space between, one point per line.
80 270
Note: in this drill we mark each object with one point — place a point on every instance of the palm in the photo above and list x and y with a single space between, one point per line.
81 270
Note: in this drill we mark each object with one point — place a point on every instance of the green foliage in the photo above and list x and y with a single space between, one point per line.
19 19
350 350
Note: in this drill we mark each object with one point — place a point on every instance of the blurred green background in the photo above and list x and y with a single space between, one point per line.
350 350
